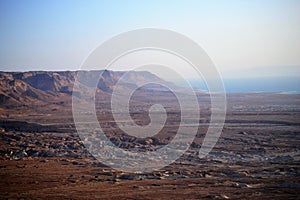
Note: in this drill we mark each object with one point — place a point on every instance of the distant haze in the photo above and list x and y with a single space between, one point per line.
247 40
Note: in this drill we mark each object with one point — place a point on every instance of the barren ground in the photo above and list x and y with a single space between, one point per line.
257 156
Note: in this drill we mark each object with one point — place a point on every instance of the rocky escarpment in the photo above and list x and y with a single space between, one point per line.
23 88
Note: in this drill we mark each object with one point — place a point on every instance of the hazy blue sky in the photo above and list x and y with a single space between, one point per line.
258 37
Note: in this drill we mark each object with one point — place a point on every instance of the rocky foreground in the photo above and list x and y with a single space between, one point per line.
42 156
255 158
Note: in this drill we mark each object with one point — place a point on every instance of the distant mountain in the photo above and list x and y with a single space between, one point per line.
44 86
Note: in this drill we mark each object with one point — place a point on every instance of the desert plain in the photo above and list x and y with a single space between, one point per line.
42 156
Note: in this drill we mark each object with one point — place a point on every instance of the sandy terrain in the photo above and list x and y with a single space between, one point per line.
256 157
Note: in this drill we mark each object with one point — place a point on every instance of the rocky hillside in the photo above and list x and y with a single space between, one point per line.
21 88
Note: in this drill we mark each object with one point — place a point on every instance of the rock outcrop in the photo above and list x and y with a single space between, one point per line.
23 88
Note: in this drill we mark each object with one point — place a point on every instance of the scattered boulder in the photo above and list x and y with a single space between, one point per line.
240 185
243 133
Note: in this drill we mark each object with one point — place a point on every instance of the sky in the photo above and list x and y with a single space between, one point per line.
256 38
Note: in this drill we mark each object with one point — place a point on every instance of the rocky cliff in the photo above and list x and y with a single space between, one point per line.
21 88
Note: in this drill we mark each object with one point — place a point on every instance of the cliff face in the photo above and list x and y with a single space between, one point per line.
47 81
29 87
